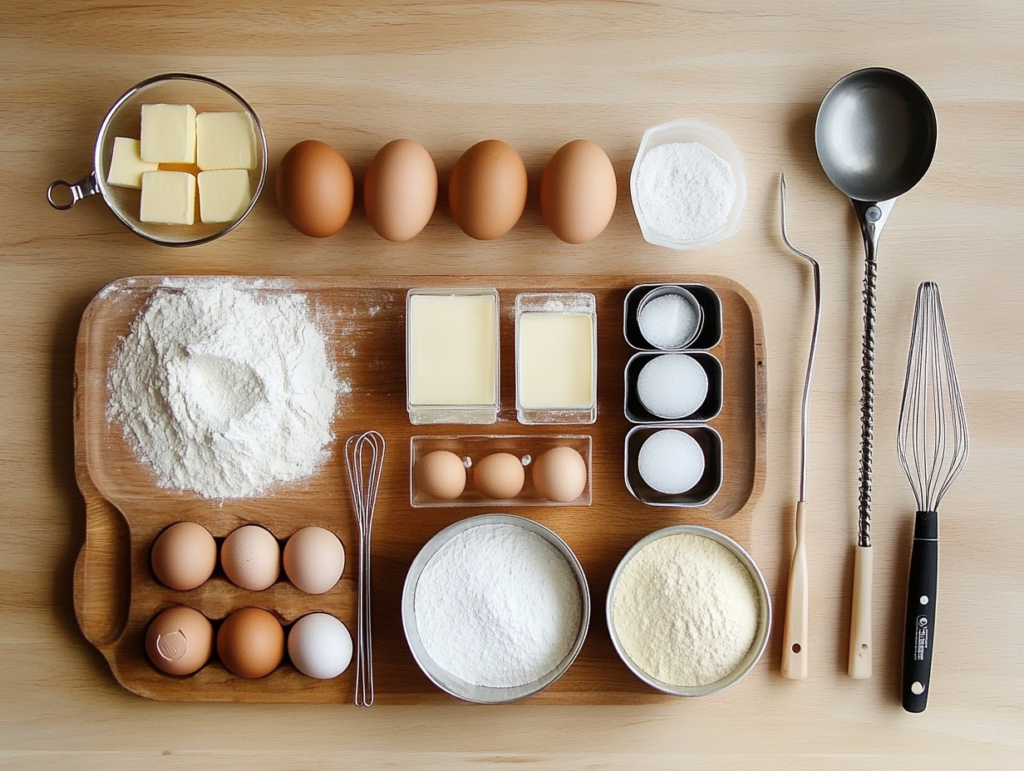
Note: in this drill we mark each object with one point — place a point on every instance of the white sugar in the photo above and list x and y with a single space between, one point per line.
668 321
672 386
671 462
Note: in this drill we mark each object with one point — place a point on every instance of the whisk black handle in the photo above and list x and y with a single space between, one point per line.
919 634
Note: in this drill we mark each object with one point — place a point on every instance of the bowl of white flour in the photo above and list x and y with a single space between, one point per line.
688 185
495 608
688 611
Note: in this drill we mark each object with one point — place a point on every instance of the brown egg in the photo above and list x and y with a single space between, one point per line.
179 641
500 475
251 558
314 560
315 189
487 190
184 556
400 190
560 475
250 643
577 191
440 474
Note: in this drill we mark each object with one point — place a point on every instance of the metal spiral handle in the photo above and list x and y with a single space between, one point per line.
867 403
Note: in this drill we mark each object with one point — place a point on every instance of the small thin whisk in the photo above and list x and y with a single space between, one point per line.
364 457
932 444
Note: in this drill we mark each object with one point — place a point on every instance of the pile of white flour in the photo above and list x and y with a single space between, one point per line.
685 191
498 605
685 610
224 391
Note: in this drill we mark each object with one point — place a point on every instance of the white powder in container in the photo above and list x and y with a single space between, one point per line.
672 386
685 190
668 321
685 610
671 461
498 606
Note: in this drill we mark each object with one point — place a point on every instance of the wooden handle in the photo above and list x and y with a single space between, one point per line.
794 635
860 624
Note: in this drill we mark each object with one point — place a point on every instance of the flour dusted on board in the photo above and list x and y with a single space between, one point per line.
224 390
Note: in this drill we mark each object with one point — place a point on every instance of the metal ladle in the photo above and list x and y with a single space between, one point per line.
875 135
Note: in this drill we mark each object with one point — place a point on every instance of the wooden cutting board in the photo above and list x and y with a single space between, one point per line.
116 594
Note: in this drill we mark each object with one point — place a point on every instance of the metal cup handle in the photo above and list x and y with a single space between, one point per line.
78 191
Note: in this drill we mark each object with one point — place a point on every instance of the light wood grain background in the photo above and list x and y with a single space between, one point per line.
537 74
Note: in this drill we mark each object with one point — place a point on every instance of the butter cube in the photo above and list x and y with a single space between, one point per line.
126 164
223 195
168 197
168 133
225 140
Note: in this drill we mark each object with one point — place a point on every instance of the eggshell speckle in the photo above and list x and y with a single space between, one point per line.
250 643
251 558
315 189
179 641
400 190
320 646
578 191
560 475
314 560
184 556
440 474
487 190
500 475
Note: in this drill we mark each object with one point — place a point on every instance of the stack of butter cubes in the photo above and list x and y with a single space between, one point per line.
220 146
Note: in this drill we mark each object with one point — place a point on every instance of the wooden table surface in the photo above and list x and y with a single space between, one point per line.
538 74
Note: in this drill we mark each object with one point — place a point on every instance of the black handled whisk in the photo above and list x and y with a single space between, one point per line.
932 445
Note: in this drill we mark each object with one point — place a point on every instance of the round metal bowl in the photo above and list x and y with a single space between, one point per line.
483 694
764 615
124 120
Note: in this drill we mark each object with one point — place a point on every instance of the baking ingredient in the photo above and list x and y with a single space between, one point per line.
184 556
498 606
315 189
555 361
168 133
671 461
223 195
685 610
440 474
314 560
224 391
320 646
487 190
250 643
179 641
560 475
672 386
577 191
225 140
499 475
685 190
251 558
400 190
126 164
453 349
168 198
668 321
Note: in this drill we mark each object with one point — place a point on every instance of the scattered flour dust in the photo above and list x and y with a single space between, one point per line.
685 190
685 610
223 389
497 605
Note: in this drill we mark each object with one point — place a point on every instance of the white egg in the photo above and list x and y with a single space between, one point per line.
320 646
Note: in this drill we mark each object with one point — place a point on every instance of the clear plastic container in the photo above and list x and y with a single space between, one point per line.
474 411
557 304
474 448
715 140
